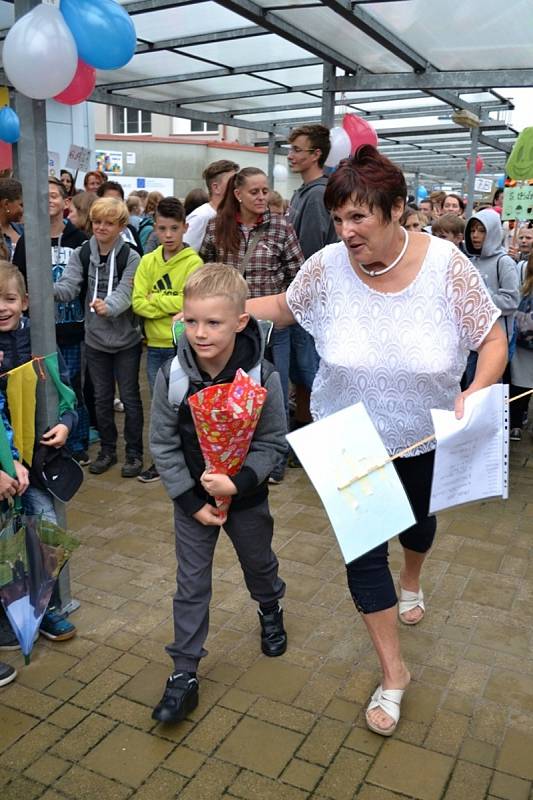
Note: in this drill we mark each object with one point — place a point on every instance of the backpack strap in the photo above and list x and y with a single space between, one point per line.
178 380
85 258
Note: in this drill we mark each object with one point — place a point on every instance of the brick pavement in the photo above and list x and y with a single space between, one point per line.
76 723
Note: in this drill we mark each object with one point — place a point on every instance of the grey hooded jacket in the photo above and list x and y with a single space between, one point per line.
497 269
167 430
120 329
310 218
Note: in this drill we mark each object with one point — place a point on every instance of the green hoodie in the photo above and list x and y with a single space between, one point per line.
158 291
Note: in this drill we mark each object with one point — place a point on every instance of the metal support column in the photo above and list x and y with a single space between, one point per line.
328 95
32 158
271 158
416 184
471 176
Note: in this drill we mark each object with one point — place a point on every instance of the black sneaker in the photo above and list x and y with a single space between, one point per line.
8 640
82 457
102 463
7 673
273 634
132 467
149 475
179 698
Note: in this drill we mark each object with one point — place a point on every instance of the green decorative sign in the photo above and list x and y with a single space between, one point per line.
518 202
519 165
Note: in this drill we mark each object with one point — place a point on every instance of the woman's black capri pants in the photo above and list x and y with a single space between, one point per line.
369 577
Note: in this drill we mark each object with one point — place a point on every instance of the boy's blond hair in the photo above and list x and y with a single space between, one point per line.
217 280
110 209
9 273
448 223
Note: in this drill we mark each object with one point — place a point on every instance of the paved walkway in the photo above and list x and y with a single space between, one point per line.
76 723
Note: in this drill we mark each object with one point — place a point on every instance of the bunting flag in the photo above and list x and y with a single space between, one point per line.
21 401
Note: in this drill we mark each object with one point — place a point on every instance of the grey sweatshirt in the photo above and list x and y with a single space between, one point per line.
310 218
497 269
120 329
267 446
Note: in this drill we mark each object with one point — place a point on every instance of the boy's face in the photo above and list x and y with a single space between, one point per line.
106 232
12 304
211 324
456 238
56 201
477 234
170 233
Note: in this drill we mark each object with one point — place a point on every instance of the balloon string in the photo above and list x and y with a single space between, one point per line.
409 449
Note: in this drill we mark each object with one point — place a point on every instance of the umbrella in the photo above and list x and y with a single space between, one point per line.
225 417
32 551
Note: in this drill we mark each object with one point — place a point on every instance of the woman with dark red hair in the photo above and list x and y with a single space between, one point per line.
393 315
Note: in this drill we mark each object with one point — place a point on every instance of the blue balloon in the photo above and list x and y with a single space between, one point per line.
9 125
103 31
421 193
501 182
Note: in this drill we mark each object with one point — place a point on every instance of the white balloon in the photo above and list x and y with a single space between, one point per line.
40 55
280 172
340 146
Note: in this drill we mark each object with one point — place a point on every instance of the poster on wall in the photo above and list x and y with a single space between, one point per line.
53 164
109 161
163 185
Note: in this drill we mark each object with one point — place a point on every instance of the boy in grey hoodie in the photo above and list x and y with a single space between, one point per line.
483 246
220 337
113 339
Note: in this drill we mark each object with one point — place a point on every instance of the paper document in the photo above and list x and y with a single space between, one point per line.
472 458
334 452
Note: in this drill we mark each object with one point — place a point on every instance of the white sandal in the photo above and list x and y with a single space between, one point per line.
409 601
388 700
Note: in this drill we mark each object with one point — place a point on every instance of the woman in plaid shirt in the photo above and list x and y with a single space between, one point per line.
261 245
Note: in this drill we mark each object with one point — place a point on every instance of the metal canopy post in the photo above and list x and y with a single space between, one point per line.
474 139
32 158
271 158
328 95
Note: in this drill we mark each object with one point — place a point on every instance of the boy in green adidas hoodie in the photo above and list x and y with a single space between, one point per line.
158 290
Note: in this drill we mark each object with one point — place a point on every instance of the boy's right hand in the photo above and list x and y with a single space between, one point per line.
8 486
209 515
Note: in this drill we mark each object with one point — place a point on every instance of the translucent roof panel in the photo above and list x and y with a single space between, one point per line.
152 65
192 20
248 51
478 34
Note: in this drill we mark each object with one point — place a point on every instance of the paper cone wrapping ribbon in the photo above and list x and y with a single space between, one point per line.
225 417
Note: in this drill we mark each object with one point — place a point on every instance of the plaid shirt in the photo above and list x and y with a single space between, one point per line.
276 258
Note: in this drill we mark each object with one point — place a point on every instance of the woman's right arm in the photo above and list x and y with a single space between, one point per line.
273 307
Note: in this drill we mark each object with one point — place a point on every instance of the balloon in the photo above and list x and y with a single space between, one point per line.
479 164
103 31
359 131
9 125
340 147
80 87
501 182
421 193
39 53
280 172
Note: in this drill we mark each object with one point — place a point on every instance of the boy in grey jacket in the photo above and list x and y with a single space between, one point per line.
103 274
219 338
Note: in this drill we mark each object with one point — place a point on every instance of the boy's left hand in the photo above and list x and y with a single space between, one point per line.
56 436
217 485
100 307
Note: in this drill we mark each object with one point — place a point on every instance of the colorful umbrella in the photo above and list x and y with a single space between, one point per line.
225 417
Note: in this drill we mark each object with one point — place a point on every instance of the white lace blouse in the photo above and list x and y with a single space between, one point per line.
401 353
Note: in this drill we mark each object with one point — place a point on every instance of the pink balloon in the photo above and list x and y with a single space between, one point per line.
359 131
81 86
479 164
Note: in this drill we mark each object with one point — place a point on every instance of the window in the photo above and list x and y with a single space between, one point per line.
203 127
131 120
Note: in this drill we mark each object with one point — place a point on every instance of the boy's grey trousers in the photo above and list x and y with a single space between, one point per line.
250 531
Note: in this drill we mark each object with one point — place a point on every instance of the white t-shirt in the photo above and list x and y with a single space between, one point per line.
197 221
399 353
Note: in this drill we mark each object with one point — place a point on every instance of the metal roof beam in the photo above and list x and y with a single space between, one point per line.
464 80
213 98
144 6
273 23
211 73
170 109
438 130
203 38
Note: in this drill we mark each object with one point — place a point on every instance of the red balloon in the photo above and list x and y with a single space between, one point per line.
359 131
81 86
479 164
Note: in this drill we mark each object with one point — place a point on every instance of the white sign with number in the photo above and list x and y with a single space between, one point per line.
483 185
79 158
